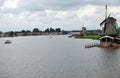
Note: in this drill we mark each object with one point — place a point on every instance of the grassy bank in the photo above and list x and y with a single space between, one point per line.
89 37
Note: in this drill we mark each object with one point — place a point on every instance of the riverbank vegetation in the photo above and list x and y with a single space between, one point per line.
35 31
89 37
89 34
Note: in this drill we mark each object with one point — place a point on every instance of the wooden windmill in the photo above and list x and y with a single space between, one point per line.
109 25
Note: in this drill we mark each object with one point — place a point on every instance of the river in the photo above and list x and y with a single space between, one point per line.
56 57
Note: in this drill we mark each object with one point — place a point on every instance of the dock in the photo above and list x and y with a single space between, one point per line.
91 45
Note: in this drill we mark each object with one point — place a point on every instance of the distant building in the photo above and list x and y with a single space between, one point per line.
84 29
83 33
19 34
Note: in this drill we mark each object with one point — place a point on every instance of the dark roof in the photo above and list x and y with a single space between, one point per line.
107 37
109 18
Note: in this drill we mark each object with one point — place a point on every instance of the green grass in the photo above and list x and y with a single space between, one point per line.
89 37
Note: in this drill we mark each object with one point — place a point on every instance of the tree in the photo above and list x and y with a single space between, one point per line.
1 32
36 30
47 30
11 33
28 31
16 33
24 32
58 30
52 30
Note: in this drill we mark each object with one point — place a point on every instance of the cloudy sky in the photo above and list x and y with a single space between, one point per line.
65 14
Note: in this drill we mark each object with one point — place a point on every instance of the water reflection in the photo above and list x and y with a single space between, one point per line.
110 62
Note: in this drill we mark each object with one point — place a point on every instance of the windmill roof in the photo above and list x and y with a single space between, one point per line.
107 19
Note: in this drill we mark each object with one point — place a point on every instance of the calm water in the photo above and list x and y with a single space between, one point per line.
56 57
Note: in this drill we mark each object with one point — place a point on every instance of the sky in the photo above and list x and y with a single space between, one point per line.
19 15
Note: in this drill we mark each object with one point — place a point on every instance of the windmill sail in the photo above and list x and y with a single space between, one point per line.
109 25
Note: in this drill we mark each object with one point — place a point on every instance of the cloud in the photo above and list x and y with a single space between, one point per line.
10 4
86 11
68 20
66 14
33 5
1 2
17 6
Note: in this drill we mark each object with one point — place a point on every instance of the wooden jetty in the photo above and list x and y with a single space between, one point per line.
91 45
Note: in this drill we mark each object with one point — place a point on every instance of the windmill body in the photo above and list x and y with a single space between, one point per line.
109 27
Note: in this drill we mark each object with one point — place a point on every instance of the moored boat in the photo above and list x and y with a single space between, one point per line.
7 42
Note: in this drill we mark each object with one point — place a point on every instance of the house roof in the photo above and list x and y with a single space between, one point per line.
107 19
107 37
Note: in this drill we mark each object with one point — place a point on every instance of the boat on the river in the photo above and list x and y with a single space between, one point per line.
7 42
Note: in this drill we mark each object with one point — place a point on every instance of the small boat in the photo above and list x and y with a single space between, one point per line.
7 42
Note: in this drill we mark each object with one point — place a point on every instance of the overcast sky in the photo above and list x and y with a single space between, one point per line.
65 14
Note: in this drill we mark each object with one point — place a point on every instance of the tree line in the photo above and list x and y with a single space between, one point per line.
35 31
38 30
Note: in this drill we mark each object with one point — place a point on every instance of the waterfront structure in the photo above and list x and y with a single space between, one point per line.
84 29
109 33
